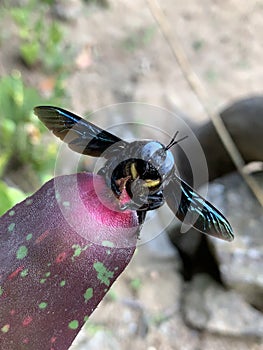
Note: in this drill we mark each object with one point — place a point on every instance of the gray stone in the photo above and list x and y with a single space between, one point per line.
241 261
100 340
214 342
207 306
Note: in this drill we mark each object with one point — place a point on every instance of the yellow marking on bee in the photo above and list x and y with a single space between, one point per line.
134 172
152 183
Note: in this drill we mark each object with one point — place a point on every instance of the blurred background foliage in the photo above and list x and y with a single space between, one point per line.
25 162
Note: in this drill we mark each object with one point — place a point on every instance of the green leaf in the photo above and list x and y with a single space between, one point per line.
9 197
30 52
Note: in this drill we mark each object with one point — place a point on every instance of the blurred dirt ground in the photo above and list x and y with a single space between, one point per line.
131 61
122 56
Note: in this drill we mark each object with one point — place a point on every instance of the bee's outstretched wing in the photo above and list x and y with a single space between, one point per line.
80 135
194 210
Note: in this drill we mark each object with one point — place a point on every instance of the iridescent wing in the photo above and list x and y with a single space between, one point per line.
80 135
193 209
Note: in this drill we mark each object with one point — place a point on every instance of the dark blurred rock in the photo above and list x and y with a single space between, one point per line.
241 261
244 121
207 306
194 251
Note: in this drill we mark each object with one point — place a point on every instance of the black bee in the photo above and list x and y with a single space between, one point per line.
147 166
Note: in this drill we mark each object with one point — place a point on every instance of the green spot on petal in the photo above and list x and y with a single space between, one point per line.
57 195
73 324
103 274
108 244
47 274
62 283
11 227
29 201
29 236
5 328
11 213
108 252
66 204
42 305
43 280
21 252
1 291
78 250
86 318
88 294
24 273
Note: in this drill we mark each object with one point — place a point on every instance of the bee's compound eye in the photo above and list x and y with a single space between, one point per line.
160 158
152 149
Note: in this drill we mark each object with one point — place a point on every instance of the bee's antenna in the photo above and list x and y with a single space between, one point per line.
174 142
